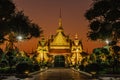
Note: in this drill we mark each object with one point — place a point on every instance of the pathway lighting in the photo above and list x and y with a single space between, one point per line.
27 72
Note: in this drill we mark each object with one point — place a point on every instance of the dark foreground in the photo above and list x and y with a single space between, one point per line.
56 74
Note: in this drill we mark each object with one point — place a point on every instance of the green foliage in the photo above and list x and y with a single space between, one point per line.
94 67
22 67
4 70
36 67
103 61
3 64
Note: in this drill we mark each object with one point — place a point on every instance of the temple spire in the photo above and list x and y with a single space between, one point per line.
60 28
76 36
60 19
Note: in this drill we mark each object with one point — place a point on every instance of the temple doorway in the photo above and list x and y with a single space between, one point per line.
59 61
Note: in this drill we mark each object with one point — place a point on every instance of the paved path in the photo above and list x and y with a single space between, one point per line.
59 74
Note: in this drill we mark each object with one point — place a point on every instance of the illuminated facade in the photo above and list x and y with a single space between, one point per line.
64 51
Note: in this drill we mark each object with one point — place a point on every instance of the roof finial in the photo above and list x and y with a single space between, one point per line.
76 36
60 19
60 13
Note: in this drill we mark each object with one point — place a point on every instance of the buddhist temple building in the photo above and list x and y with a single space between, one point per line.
59 49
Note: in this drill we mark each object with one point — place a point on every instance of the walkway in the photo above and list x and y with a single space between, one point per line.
59 74
55 74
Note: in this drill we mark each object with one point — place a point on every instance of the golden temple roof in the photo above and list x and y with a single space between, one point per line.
60 38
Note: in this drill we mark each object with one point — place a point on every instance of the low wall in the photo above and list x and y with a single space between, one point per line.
101 77
85 73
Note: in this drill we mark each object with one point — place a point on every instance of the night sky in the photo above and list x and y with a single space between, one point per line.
46 14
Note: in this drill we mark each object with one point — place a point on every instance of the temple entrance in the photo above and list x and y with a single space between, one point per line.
59 61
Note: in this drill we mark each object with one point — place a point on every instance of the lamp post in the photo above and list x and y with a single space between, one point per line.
107 41
19 38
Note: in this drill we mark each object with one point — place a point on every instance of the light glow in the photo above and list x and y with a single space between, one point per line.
19 37
107 41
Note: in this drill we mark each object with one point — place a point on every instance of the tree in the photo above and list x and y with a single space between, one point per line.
1 53
7 8
104 19
100 55
16 22
10 58
22 25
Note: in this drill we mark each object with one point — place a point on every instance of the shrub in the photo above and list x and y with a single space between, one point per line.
22 67
36 67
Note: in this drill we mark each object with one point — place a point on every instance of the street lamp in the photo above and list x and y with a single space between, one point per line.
107 41
19 38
